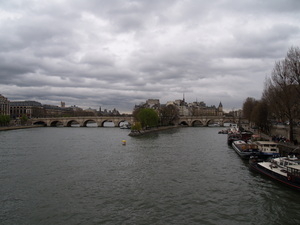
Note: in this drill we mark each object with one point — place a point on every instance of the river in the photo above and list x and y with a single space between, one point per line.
181 176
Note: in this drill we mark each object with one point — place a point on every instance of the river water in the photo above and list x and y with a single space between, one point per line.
180 176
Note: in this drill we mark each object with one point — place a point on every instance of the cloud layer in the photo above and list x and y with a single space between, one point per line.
116 54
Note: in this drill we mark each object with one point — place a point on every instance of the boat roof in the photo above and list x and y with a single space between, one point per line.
239 142
266 143
266 165
297 167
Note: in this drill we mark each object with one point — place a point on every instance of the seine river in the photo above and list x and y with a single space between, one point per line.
181 176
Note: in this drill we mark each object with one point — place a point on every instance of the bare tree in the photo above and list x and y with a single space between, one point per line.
260 114
293 63
169 115
248 107
280 93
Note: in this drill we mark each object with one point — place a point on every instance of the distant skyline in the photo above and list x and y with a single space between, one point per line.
116 54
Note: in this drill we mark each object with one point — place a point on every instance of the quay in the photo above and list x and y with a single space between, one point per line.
152 130
18 127
284 148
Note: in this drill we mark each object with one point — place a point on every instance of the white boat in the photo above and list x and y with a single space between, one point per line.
283 169
125 126
268 148
234 128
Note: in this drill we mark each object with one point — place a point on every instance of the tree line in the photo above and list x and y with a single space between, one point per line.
4 120
148 117
280 97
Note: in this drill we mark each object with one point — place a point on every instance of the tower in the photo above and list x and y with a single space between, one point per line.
220 108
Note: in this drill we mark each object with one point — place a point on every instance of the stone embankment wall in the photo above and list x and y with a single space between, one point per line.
152 130
18 127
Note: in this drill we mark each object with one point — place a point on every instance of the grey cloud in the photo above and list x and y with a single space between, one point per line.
119 53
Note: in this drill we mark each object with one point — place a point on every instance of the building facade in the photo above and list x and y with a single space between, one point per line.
28 108
187 109
4 106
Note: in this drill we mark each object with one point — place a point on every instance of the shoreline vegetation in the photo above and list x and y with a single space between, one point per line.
135 133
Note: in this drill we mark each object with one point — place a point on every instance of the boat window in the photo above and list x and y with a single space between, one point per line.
294 172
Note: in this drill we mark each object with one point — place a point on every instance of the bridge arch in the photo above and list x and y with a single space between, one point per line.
84 124
70 122
56 123
183 123
198 123
107 120
123 121
230 120
218 122
41 122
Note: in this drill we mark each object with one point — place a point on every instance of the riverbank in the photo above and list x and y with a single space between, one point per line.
18 127
152 130
284 147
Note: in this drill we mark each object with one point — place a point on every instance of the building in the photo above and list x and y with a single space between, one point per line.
28 108
150 103
106 112
92 112
153 103
187 109
4 106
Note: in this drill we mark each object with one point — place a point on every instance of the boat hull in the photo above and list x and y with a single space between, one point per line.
274 176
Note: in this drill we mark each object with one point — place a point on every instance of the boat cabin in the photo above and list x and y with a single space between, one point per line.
293 172
268 147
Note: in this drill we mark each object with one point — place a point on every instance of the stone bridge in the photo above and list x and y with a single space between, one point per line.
82 121
190 121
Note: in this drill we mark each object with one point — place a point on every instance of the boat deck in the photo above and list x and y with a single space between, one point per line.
271 167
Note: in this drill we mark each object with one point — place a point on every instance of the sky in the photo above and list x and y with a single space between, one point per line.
119 53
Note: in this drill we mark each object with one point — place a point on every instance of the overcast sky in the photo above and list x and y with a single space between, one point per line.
118 53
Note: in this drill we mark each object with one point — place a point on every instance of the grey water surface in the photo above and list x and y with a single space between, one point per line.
86 176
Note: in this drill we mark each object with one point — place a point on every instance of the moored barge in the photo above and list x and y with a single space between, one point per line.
285 170
244 150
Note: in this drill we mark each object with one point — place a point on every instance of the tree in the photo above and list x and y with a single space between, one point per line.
259 116
281 94
293 62
135 113
4 120
23 119
169 115
248 107
136 126
147 117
